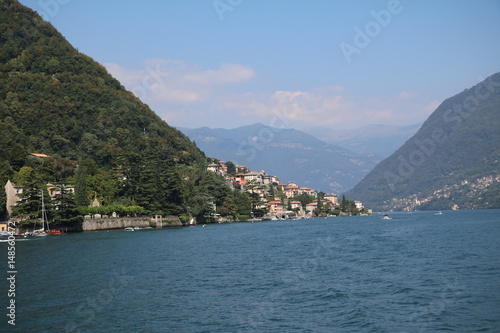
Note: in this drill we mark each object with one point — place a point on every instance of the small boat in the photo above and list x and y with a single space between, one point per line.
45 222
137 228
6 235
129 229
56 232
439 213
386 217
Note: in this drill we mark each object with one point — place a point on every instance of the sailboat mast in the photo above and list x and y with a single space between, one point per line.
43 212
44 216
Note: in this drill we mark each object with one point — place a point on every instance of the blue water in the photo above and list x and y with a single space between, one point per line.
418 272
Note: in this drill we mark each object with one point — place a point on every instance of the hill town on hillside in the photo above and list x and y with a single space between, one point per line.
283 201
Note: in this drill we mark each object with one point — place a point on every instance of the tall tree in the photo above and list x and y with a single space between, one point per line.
343 204
66 212
231 168
81 194
28 209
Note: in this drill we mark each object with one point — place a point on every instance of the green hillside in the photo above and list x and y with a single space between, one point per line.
452 160
57 101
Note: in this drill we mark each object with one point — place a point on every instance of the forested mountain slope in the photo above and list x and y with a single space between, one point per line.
453 160
57 101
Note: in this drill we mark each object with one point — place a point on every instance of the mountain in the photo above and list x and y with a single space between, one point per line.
381 140
289 154
57 101
453 159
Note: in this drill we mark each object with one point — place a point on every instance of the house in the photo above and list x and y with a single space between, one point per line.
12 191
333 198
3 227
254 177
308 191
239 179
269 179
359 205
241 169
275 207
213 167
311 207
38 157
296 204
261 205
292 191
217 168
56 190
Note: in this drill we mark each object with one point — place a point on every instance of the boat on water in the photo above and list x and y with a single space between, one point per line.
56 232
129 229
45 229
439 213
6 235
386 217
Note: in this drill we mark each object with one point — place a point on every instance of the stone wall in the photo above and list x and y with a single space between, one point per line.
105 223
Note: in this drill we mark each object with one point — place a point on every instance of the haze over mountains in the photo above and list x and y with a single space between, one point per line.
290 154
453 161
381 140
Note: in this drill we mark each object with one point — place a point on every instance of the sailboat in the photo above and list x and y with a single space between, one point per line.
42 232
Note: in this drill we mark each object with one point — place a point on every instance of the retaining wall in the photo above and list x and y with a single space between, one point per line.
106 223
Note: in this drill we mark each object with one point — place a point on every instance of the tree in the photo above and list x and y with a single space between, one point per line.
231 168
319 205
228 207
243 203
304 199
66 212
24 175
343 203
28 208
81 194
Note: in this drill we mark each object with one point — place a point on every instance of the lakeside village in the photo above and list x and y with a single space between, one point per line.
272 200
269 200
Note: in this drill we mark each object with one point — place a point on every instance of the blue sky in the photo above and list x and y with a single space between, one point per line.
298 63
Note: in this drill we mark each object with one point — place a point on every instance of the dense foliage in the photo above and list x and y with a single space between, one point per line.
458 142
100 137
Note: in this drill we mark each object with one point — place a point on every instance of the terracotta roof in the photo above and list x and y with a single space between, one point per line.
40 155
291 187
274 203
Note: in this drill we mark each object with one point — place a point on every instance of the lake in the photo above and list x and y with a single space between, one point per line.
418 272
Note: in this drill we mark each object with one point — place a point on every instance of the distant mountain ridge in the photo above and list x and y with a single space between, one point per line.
289 154
452 161
381 140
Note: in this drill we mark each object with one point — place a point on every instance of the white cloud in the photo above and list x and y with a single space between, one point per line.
227 73
172 82
187 95
330 107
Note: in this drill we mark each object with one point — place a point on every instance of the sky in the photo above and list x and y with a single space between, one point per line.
294 64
